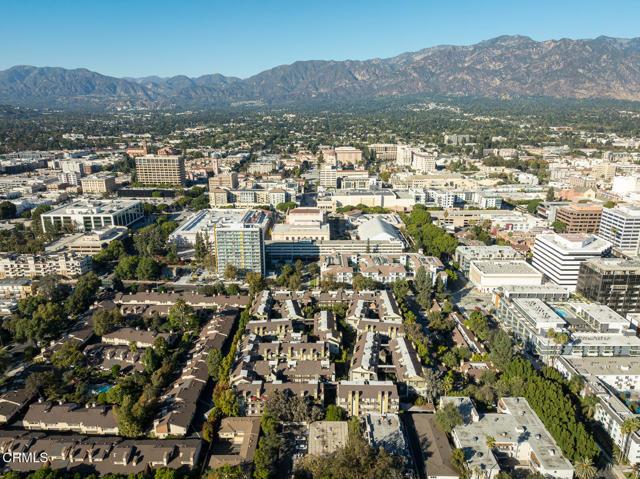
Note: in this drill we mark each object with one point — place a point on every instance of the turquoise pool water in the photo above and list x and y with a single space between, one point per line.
561 313
103 389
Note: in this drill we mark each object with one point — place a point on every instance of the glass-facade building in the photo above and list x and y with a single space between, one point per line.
614 282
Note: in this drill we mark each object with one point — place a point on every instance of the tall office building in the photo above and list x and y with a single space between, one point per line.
161 170
580 218
614 282
559 256
621 227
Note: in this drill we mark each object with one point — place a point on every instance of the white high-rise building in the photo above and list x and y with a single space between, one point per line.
621 227
328 176
423 162
559 256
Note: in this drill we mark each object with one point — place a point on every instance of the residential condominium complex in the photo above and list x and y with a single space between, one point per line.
237 236
160 170
621 227
228 180
36 266
614 282
87 215
559 257
591 329
580 218
519 434
240 245
348 154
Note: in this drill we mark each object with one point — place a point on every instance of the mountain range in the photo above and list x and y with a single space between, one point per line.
505 67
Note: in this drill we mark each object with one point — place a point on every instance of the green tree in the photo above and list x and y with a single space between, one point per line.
256 283
214 361
501 349
147 269
585 469
551 194
83 294
182 316
114 251
227 403
52 288
628 427
126 268
334 413
7 210
448 417
491 442
200 247
289 205
68 356
532 206
36 222
5 360
150 241
104 321
230 272
559 226
313 269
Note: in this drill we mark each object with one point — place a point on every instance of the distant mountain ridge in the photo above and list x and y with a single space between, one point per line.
506 66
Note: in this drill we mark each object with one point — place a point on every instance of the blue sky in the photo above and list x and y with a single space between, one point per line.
242 37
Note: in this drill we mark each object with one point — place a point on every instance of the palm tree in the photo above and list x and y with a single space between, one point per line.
589 404
477 472
636 469
585 469
491 442
628 427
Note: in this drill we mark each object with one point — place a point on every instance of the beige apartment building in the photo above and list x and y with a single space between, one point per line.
98 184
348 155
161 170
229 180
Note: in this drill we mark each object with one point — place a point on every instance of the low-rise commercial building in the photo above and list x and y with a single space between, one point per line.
348 155
489 275
88 243
464 255
87 215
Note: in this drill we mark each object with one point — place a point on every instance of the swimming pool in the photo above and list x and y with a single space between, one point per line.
102 389
561 313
